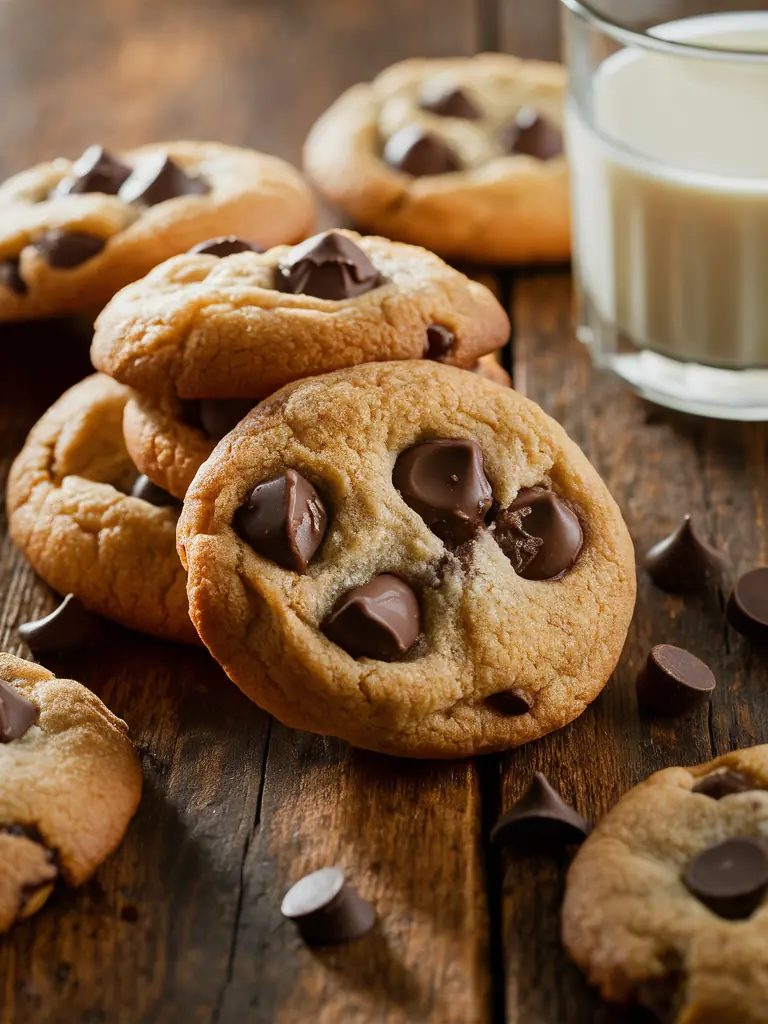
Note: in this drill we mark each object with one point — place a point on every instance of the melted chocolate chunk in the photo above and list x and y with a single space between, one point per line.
748 606
64 250
540 818
673 681
95 171
684 561
17 713
158 179
217 416
448 101
226 245
445 482
70 627
530 134
731 878
723 782
10 276
418 153
540 534
144 489
284 520
380 619
326 909
327 266
440 341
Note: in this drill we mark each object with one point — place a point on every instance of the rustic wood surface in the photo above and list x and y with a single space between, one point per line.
183 924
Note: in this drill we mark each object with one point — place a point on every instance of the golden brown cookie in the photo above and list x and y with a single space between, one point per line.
321 526
461 155
666 901
71 512
70 782
73 234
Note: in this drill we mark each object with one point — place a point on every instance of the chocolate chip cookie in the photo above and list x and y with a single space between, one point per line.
70 782
461 155
381 552
73 233
667 901
72 512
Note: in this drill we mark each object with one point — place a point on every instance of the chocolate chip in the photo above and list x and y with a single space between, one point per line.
731 878
144 489
64 250
748 606
530 134
380 619
415 151
445 482
157 179
218 416
326 909
327 266
10 276
723 782
684 561
17 713
511 702
95 171
227 245
539 533
69 627
440 341
673 681
540 818
448 101
284 520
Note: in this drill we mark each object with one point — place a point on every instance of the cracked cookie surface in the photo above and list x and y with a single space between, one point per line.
334 441
70 782
71 513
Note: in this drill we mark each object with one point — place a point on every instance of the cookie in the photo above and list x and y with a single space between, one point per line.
666 902
244 325
70 782
461 155
71 512
73 234
360 566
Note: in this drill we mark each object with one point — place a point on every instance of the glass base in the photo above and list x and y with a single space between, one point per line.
740 395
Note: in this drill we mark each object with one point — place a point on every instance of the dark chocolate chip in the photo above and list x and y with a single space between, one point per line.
144 489
327 266
445 482
748 606
220 415
684 561
673 681
540 818
69 627
284 520
731 878
64 250
448 101
227 245
10 276
415 151
380 619
530 134
326 909
723 782
95 171
17 713
440 341
511 702
540 534
157 179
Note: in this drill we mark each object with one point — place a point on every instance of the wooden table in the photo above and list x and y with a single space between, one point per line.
183 924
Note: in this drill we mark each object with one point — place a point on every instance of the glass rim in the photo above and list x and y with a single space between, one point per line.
648 41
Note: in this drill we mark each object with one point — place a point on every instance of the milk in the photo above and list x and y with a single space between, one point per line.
671 196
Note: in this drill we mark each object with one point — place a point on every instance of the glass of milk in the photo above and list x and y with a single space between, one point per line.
667 132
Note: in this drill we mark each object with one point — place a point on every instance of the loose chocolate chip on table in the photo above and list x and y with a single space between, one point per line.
284 520
218 416
511 702
673 681
227 245
539 533
731 878
64 250
445 482
530 134
144 489
10 276
380 619
540 818
450 101
327 266
69 627
158 179
95 171
684 561
748 606
415 151
440 341
17 713
326 909
723 782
